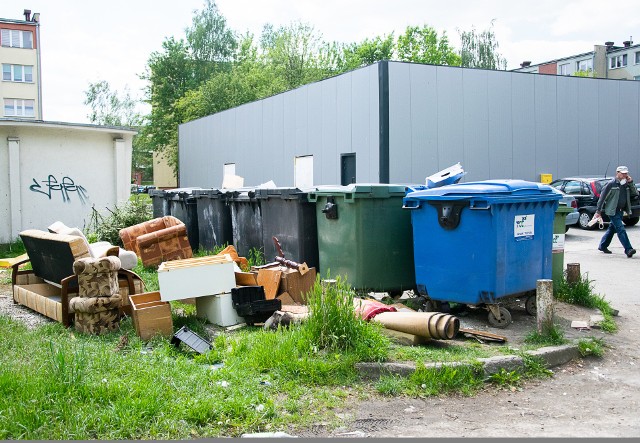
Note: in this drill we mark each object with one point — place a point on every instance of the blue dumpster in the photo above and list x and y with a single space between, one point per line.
478 242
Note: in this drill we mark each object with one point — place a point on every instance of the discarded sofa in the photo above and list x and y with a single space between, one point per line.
48 287
158 240
97 306
128 259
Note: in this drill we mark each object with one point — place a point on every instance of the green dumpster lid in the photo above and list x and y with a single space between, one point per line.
363 190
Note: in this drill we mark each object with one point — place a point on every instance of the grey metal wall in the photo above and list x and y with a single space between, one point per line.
323 119
508 125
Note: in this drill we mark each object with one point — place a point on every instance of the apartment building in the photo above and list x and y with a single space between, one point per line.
21 88
605 61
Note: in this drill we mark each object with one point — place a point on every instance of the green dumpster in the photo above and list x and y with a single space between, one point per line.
365 236
557 256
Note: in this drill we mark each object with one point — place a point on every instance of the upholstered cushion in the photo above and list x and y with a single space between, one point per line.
97 277
60 228
128 259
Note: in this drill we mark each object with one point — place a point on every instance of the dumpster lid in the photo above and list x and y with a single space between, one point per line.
284 193
209 193
488 188
363 190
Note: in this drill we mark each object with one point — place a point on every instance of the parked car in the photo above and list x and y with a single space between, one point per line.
572 217
587 192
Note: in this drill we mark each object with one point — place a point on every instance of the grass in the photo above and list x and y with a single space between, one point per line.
552 336
582 293
13 249
591 346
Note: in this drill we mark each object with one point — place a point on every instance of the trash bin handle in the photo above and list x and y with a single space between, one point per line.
479 204
411 204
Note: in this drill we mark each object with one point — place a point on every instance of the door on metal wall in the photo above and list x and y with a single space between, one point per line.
347 169
303 171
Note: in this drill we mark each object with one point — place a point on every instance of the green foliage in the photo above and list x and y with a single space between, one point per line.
66 366
422 45
582 293
504 378
480 50
589 74
148 275
12 249
334 326
591 346
209 38
434 381
534 367
552 336
106 227
367 52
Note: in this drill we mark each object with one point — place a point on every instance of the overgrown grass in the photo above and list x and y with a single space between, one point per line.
12 249
334 326
552 336
591 346
582 293
427 381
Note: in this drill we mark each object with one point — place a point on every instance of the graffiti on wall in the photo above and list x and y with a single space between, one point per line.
51 186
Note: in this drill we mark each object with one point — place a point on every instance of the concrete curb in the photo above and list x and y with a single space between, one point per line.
550 355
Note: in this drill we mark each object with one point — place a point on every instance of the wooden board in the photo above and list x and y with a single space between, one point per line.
247 278
270 280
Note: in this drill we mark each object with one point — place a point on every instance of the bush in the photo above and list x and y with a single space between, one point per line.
106 227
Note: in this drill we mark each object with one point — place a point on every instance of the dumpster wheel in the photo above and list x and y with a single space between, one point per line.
530 305
503 320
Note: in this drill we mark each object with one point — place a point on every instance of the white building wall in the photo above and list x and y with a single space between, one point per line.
63 171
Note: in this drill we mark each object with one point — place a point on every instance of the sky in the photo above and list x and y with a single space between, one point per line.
84 42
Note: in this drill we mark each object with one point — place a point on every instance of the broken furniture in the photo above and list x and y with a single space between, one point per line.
47 287
279 280
251 304
207 279
97 306
128 259
158 240
151 316
191 339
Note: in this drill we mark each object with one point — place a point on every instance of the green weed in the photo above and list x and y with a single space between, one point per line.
591 346
553 336
107 227
434 381
534 367
582 293
504 378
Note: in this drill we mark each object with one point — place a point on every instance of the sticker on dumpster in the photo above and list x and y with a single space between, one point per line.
523 227
558 243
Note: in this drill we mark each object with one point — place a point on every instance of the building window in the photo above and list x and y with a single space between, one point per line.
17 73
16 107
584 65
12 38
637 57
619 61
563 69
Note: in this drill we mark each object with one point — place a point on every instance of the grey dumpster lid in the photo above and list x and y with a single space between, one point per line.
363 190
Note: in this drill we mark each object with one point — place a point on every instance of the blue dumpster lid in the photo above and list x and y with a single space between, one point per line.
363 190
498 190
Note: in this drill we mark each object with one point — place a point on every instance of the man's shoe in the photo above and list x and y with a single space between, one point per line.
630 252
606 251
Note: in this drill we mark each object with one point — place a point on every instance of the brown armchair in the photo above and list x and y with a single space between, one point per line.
157 240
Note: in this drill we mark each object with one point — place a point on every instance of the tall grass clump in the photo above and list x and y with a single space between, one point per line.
105 227
334 326
582 293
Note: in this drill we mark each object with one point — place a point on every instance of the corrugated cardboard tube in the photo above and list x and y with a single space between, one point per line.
433 325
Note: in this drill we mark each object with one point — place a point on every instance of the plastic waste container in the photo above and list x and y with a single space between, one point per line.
160 204
214 218
183 206
288 215
246 221
476 243
559 229
365 235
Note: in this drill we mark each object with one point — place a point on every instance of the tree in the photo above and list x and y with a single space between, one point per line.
422 45
367 52
113 109
481 50
211 42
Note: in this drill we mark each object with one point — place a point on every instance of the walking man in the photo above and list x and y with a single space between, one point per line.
615 198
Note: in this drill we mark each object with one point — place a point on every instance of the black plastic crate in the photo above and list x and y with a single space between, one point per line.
247 294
